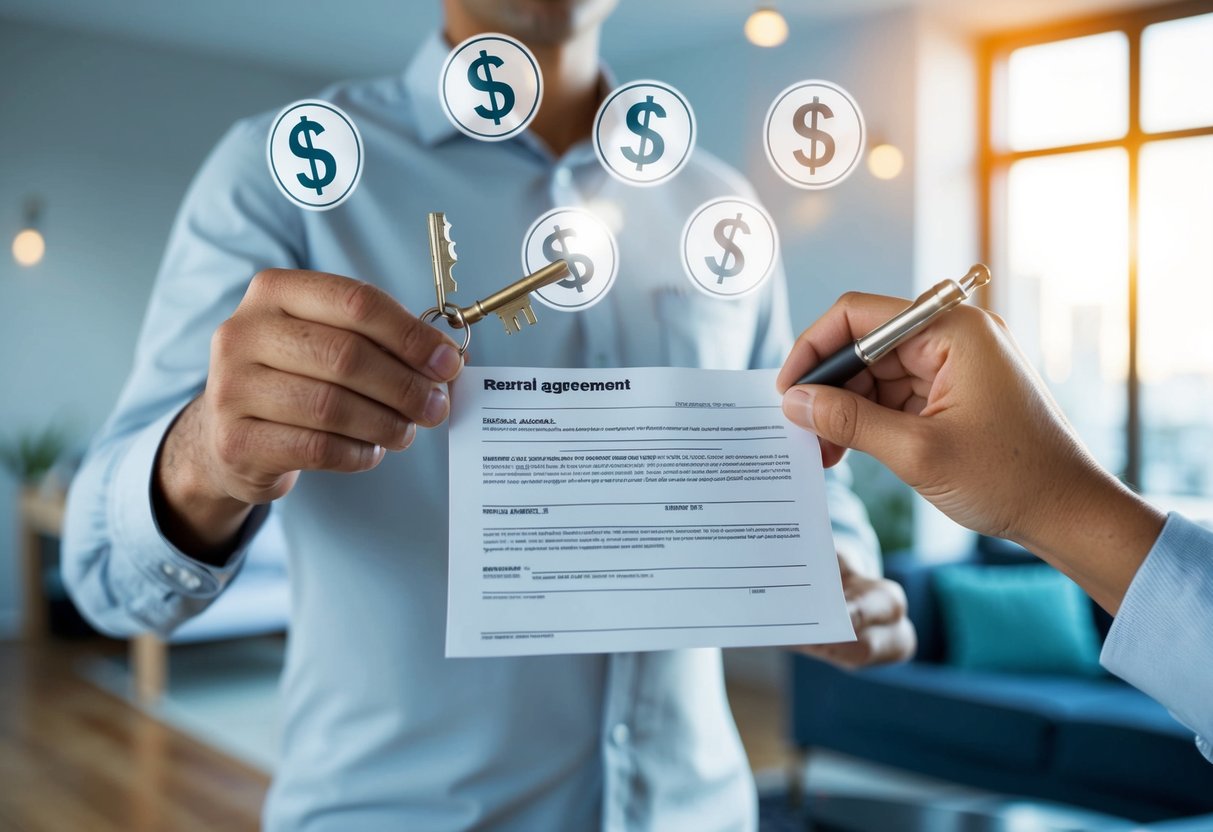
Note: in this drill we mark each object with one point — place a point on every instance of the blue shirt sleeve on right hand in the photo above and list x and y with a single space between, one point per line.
1162 639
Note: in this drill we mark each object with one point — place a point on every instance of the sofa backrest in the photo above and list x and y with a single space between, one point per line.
915 577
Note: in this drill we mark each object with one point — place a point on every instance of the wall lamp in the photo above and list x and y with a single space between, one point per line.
766 27
885 160
29 245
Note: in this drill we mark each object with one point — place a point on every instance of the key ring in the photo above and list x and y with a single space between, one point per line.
454 319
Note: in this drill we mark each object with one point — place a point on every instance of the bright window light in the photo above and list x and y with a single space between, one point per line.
1068 92
1176 65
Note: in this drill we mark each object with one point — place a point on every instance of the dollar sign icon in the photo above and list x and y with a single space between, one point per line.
725 231
712 248
809 130
304 150
581 266
494 88
638 123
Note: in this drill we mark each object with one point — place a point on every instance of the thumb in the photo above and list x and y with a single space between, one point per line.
848 419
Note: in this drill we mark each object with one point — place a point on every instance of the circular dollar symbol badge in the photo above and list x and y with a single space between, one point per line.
814 134
585 243
315 155
729 247
644 132
490 87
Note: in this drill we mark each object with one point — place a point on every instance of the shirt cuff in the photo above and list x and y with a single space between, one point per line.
1156 642
141 549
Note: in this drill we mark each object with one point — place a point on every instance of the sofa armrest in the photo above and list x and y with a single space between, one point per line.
915 578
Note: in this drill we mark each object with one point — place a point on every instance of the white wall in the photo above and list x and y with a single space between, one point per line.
108 133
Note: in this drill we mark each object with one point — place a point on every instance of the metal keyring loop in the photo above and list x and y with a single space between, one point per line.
454 319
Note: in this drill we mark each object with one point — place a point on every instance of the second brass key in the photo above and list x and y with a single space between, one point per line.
515 300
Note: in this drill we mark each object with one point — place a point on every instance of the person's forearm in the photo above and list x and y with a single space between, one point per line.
201 521
1098 532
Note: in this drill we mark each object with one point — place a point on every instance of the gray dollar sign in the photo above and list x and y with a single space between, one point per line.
492 87
725 231
304 150
581 267
809 130
638 123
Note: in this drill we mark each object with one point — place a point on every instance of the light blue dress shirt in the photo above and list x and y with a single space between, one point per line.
381 732
1162 639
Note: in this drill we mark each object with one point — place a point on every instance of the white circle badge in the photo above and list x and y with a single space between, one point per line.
490 87
644 132
585 243
315 156
814 134
729 247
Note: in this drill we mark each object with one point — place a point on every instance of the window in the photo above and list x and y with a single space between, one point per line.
1098 221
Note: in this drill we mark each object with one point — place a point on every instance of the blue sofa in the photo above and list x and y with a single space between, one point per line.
1091 742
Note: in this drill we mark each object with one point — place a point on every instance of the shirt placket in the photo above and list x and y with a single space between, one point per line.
621 801
599 325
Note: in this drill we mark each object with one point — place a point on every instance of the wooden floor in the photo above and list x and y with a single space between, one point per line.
73 758
76 759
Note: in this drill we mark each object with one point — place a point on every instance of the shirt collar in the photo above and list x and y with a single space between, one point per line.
421 84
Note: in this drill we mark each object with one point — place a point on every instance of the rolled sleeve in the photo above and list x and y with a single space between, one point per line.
1162 639
140 580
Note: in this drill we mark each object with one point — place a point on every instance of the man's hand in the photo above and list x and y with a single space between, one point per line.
312 372
883 633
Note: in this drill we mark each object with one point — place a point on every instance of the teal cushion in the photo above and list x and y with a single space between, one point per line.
1021 619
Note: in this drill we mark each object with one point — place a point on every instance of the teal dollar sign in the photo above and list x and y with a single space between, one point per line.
638 123
725 231
493 88
809 130
582 267
304 150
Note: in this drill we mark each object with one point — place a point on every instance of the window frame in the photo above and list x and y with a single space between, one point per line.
995 161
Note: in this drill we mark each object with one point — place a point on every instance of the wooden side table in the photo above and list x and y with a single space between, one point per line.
42 516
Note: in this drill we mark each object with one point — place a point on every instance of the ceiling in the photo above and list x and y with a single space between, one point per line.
373 36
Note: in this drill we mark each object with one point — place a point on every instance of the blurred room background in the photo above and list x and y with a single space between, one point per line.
1068 143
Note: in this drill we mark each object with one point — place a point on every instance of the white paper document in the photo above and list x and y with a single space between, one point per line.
598 511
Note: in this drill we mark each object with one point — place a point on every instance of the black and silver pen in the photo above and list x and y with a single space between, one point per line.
850 361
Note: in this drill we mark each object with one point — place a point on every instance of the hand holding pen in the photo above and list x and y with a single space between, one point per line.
955 411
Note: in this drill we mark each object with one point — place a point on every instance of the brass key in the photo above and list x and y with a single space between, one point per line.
442 257
515 300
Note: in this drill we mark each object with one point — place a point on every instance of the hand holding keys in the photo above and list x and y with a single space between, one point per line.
512 304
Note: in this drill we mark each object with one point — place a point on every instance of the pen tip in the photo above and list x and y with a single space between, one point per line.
978 275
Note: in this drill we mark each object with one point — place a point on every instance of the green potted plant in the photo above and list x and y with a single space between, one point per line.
30 457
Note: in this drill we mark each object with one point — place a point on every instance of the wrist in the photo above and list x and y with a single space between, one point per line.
1095 530
194 513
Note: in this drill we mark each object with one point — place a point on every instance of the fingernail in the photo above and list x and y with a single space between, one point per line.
435 406
798 406
377 454
444 362
410 433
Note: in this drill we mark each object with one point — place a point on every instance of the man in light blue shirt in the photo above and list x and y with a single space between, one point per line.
238 386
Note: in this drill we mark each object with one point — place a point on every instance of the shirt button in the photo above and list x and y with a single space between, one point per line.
168 569
620 734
